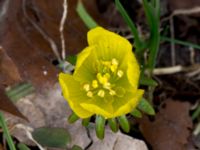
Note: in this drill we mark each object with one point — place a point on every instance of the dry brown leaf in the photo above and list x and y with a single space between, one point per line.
170 129
7 106
27 48
9 73
1 147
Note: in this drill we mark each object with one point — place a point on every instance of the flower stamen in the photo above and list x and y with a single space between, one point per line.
112 92
95 84
101 93
89 94
120 73
86 87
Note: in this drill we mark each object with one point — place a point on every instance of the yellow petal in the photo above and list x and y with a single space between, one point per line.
82 56
133 72
97 110
84 70
73 94
108 44
130 105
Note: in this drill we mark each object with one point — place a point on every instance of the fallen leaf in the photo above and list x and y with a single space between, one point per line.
1 147
9 73
27 48
170 129
7 106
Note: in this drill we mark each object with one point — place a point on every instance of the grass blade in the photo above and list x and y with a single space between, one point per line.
87 19
137 41
184 43
6 132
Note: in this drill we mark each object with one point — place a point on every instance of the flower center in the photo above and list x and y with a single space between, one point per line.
104 85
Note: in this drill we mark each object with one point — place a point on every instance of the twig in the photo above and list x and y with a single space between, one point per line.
44 35
167 70
62 23
192 55
173 56
185 11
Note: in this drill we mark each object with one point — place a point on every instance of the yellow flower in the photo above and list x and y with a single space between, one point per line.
105 80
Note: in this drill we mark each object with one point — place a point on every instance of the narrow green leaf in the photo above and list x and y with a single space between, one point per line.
153 18
19 91
138 43
146 107
6 132
52 137
76 147
176 41
113 124
73 118
136 113
87 19
18 88
85 122
22 146
100 126
124 123
147 81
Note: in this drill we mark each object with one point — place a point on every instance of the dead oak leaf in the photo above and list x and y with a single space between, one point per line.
170 129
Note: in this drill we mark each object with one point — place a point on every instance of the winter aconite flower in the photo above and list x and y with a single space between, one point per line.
105 80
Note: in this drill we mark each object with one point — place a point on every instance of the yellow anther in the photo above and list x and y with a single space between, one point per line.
112 92
89 94
86 87
95 84
101 93
120 73
106 63
107 75
113 68
114 62
102 79
107 85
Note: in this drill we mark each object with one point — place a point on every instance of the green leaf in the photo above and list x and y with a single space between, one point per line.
85 122
147 81
87 19
71 59
152 13
124 123
146 107
73 118
113 124
100 126
20 90
76 147
52 137
22 146
136 113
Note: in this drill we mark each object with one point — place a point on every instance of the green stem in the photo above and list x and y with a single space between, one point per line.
6 132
